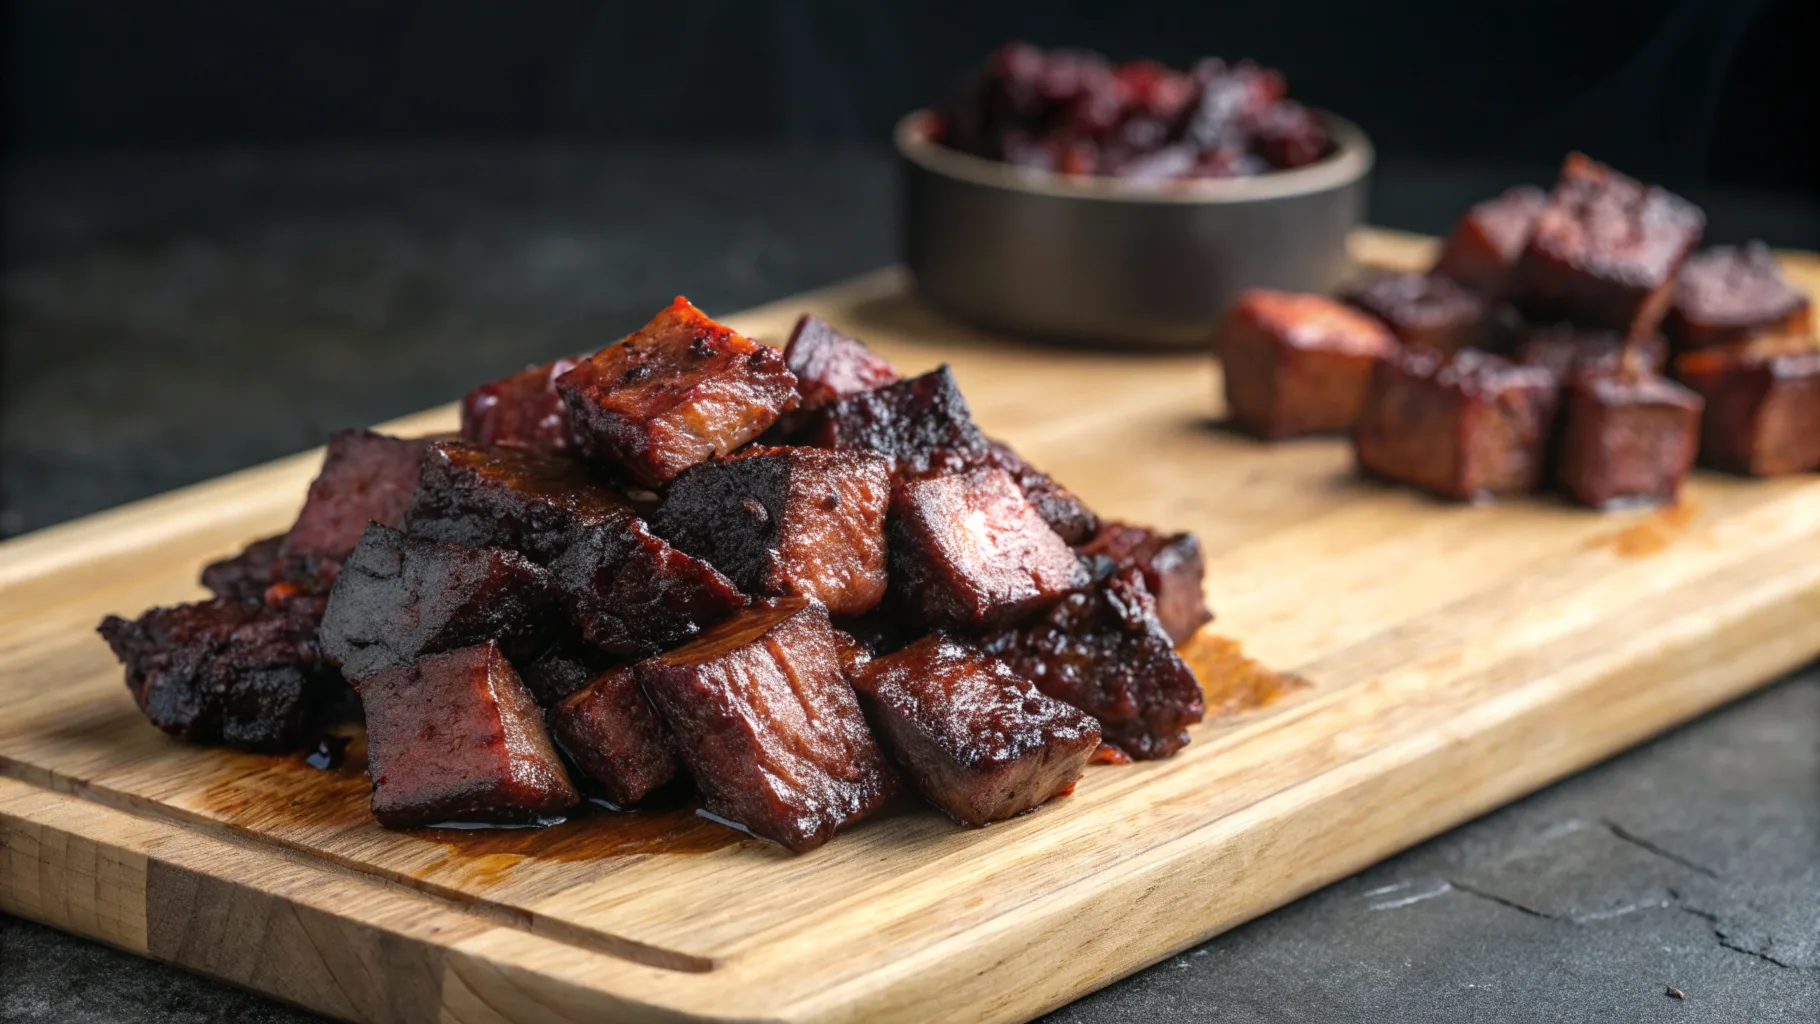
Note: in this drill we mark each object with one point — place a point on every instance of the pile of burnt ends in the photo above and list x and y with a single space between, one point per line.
787 581
1538 350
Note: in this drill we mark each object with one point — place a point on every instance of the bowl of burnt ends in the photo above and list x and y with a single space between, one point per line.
1111 262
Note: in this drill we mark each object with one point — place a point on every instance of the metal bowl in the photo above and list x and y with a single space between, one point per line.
1110 261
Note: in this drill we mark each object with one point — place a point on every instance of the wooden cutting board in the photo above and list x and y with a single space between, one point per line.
1458 657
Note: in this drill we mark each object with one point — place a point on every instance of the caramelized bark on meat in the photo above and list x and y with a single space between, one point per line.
1568 351
455 737
1103 650
922 425
1487 240
610 732
1605 251
1762 413
968 551
974 738
681 390
1727 294
521 411
1466 427
829 364
242 673
399 598
1627 437
365 478
565 665
768 725
631 593
1427 310
509 498
787 521
1172 567
245 577
1296 364
1065 513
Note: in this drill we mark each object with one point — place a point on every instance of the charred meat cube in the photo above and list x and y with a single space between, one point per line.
1626 437
922 425
681 390
1605 251
633 594
1172 567
365 478
1486 242
1423 309
808 522
610 732
560 669
1466 426
1568 351
1065 513
225 671
1296 364
508 498
1725 295
245 577
399 598
1762 413
455 737
1103 650
968 551
829 364
521 411
974 738
767 724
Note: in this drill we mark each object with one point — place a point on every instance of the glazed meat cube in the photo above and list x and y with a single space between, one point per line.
365 478
681 390
922 425
968 551
1485 244
878 632
399 598
1466 427
1296 364
1065 513
1567 351
768 726
1762 407
1725 295
455 737
1423 309
631 593
1626 438
508 498
560 669
609 730
829 364
1605 251
1172 568
1103 650
226 671
973 738
787 521
521 411
245 577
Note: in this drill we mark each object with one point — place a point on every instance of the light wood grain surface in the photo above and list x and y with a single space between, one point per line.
1459 657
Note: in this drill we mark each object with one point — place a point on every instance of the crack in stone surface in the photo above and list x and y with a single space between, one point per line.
1625 835
1503 902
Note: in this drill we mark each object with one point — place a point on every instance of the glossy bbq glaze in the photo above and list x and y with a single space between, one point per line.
1727 294
1627 438
609 730
1172 568
521 411
828 364
1296 364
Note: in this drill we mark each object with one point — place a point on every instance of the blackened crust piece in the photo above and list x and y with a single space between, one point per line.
922 425
1626 438
768 726
1103 650
521 411
245 576
807 522
1762 414
829 364
1726 294
399 598
455 737
974 738
1065 512
631 593
610 732
224 671
1173 572
564 666
682 389
967 551
365 478
509 498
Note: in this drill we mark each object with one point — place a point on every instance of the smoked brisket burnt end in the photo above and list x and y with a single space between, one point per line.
521 411
1296 364
681 390
365 478
509 498
829 364
1464 427
922 425
631 593
1605 251
399 598
455 737
610 732
1488 239
1762 413
974 738
1427 310
1103 650
1172 567
564 666
1626 437
767 724
226 671
808 522
1726 294
1568 351
245 576
968 551
1065 513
